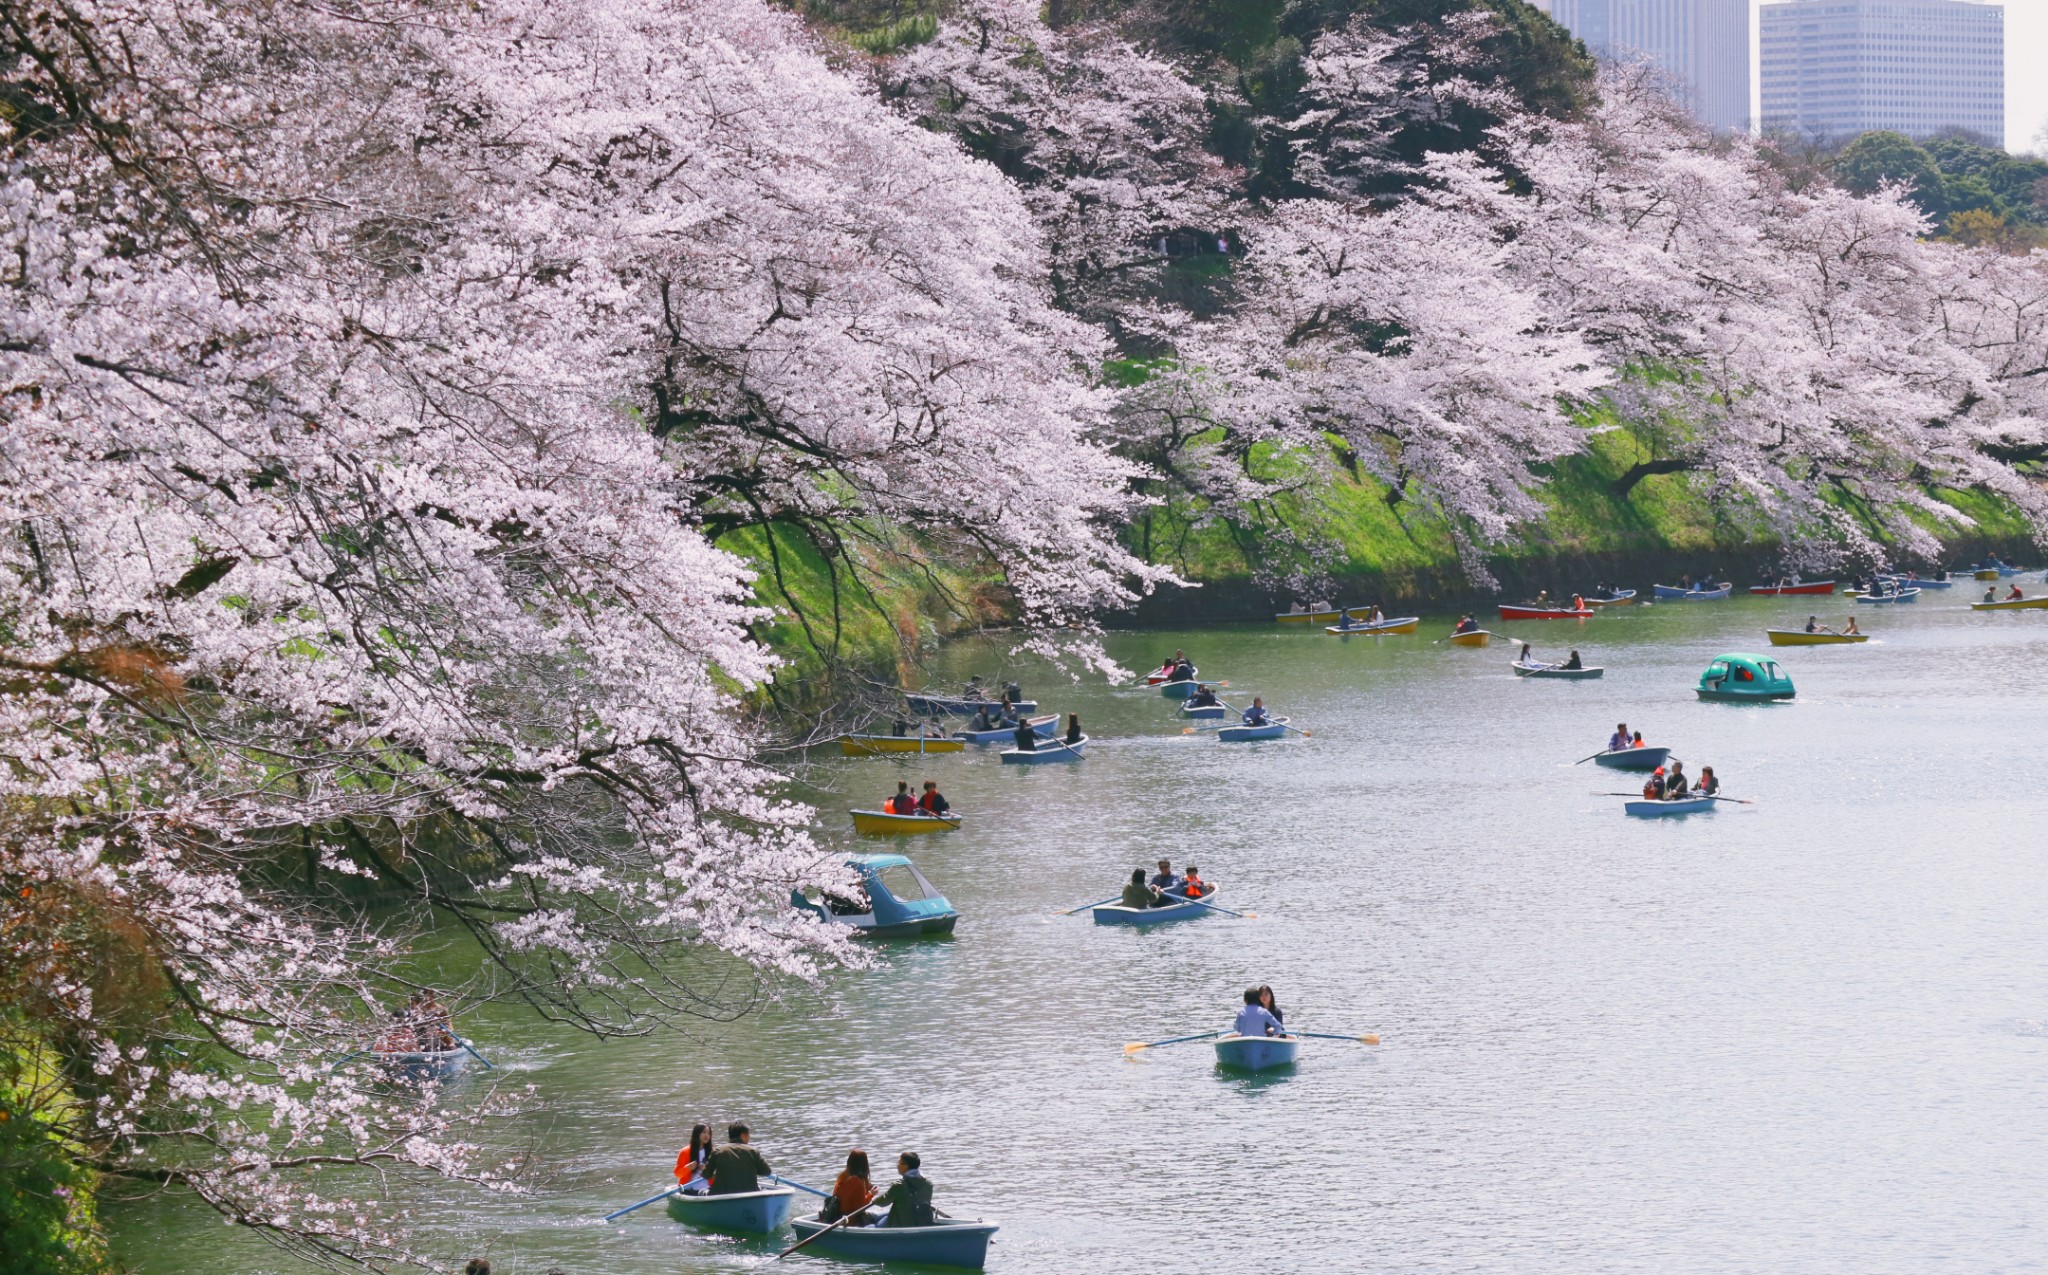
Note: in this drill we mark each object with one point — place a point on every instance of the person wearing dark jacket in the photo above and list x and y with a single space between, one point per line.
736 1167
933 802
1073 728
1027 739
909 1199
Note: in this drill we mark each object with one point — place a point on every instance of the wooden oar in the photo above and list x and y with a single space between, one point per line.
1085 906
1307 734
1583 760
1249 916
1363 1040
779 1180
843 1220
644 1203
1135 1046
1740 801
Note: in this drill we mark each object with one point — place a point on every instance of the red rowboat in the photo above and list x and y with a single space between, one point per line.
1543 613
1786 590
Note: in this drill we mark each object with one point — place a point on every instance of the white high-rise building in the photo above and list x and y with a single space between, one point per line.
1703 45
1836 68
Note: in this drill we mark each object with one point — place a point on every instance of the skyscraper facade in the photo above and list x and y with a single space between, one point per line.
1835 68
1702 45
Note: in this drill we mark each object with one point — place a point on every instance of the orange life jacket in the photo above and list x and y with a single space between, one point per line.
1193 888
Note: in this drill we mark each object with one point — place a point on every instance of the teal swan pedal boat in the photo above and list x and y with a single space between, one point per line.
762 1212
1257 1053
1740 678
950 1243
900 903
1118 914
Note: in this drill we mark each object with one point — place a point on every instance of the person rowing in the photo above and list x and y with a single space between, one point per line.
1255 1019
1675 783
1347 621
933 803
1813 624
1204 697
1466 625
1256 715
1618 741
1164 882
736 1168
2015 595
1182 671
1027 738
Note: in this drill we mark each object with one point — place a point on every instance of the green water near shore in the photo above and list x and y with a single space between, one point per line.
1809 1034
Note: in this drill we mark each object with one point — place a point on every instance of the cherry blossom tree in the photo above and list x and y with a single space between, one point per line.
376 377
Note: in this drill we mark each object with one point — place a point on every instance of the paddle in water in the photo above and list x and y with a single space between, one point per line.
1136 1046
1249 916
643 1204
1367 1039
1085 906
472 1052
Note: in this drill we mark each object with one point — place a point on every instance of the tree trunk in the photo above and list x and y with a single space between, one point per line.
1643 469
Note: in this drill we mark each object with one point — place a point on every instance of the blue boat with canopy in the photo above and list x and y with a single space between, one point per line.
1741 678
899 902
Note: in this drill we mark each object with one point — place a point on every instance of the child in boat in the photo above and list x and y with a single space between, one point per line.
1653 787
1192 886
933 802
902 803
1255 1019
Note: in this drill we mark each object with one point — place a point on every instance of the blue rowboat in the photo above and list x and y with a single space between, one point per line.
1118 914
1043 727
899 902
761 1212
939 705
1895 595
1916 582
1050 751
422 1064
1658 809
1177 690
1743 679
1694 594
1273 729
1207 711
1621 598
947 1244
1644 758
1257 1053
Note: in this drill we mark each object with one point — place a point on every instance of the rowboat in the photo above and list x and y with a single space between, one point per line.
876 745
1205 711
878 823
900 903
1668 592
1644 758
1312 617
1657 809
1799 637
1273 729
1553 670
1918 582
1787 590
1740 678
1050 751
950 1243
761 1212
1890 595
1543 613
1178 690
1043 727
1477 637
1404 624
1988 573
940 705
421 1064
1257 1053
1620 598
1118 914
2013 604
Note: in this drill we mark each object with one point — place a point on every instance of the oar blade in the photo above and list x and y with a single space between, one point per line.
1135 1046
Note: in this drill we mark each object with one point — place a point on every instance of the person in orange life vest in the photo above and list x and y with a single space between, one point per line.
1653 787
1578 603
902 803
932 803
1191 885
690 1164
1638 742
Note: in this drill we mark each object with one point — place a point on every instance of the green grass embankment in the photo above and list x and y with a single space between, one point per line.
48 1223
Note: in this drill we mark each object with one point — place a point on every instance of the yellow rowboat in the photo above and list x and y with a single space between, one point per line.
1310 617
1988 573
1478 637
875 823
876 745
1799 637
2014 604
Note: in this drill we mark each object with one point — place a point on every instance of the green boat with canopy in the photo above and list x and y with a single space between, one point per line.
1742 678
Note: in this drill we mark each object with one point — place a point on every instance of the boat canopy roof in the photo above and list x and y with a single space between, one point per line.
877 862
1763 667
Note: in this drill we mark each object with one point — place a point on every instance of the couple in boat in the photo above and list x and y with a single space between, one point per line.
1673 786
1848 629
1027 738
1178 668
1529 661
1165 889
931 803
908 1201
1346 620
1261 1014
1991 595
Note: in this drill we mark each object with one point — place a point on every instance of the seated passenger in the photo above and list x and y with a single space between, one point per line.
1192 886
1204 697
1137 894
902 803
1255 1019
1708 785
852 1192
981 720
909 1200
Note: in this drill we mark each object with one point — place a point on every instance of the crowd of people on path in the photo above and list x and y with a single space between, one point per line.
736 1168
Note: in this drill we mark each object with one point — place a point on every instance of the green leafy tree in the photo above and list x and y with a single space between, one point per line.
1877 158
